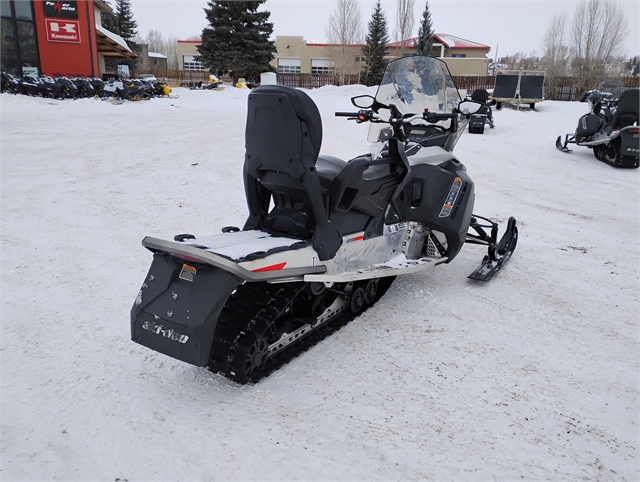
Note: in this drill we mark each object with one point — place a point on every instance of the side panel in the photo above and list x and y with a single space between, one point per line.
177 315
441 197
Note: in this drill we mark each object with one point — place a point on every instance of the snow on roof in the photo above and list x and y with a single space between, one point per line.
115 37
154 55
449 41
454 42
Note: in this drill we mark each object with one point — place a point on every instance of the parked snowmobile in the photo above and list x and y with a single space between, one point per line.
31 85
247 300
9 84
606 92
482 116
613 133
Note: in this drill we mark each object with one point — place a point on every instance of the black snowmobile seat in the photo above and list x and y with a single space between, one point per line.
480 95
311 194
283 138
626 113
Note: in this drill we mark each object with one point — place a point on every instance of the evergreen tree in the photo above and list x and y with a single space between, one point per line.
124 24
375 47
425 33
237 39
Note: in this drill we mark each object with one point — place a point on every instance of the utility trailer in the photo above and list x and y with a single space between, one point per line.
518 87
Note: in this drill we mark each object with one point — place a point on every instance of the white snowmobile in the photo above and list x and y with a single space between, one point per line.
324 238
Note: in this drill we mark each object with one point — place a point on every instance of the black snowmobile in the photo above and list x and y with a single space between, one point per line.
612 132
9 83
482 116
324 238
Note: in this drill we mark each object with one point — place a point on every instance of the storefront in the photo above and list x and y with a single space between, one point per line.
57 37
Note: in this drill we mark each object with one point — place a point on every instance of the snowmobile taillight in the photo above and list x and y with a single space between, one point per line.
184 257
635 131
273 267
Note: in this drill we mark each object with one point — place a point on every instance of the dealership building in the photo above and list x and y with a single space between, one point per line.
57 37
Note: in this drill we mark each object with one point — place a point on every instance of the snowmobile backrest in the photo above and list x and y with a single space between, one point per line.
627 112
282 138
480 95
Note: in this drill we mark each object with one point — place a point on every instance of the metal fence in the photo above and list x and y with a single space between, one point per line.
560 88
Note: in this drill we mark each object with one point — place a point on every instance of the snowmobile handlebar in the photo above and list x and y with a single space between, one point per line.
365 115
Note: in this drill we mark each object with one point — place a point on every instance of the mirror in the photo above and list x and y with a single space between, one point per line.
469 107
363 101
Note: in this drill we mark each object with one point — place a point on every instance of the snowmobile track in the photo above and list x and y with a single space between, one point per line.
247 321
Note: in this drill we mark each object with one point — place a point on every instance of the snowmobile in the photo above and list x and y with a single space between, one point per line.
31 85
612 132
324 238
9 83
482 116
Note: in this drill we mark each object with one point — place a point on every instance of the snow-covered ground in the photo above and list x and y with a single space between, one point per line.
532 376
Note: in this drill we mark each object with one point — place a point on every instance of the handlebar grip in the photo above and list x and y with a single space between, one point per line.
346 114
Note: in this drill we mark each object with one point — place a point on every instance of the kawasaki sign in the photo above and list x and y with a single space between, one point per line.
63 31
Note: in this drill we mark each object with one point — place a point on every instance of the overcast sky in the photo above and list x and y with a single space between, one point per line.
508 26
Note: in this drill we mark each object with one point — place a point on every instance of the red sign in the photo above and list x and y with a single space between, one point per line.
63 31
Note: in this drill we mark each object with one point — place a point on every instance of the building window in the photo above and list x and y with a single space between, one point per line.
458 56
191 64
322 66
289 66
18 41
155 61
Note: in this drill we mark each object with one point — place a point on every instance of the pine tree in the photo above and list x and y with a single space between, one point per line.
375 47
425 33
237 39
125 25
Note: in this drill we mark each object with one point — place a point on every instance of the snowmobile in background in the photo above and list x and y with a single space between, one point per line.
120 90
70 90
612 132
606 92
9 83
324 238
31 85
482 116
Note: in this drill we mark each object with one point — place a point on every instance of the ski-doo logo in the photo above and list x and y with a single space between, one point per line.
63 31
173 335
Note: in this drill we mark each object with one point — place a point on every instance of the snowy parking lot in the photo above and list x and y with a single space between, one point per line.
531 376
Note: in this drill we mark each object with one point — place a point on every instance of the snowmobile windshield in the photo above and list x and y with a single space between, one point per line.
413 84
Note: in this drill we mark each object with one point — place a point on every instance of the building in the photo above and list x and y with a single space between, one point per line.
295 55
50 37
187 52
149 61
463 57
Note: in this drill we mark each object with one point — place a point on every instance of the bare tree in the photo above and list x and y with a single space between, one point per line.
171 51
555 52
344 32
597 35
155 42
404 22
554 46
